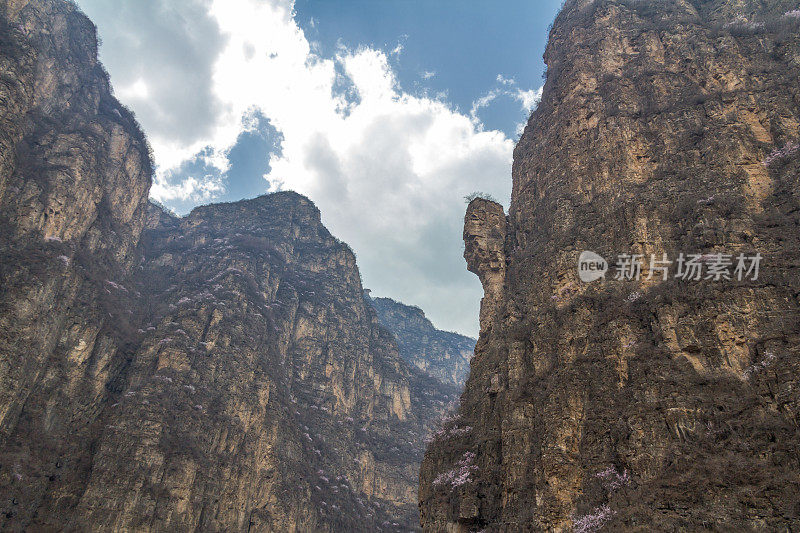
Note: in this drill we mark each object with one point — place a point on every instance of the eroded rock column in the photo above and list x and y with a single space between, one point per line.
484 251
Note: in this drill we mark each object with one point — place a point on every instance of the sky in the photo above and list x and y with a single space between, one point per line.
385 113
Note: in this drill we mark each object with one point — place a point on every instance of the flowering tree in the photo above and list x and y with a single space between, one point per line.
460 475
613 480
788 150
593 521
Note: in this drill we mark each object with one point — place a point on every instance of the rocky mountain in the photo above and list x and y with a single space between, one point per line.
647 400
441 354
217 372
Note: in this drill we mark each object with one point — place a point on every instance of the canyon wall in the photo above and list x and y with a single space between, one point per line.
74 179
442 354
650 402
217 372
263 394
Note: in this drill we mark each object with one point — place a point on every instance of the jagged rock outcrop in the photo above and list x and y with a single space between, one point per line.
653 404
484 251
218 372
441 354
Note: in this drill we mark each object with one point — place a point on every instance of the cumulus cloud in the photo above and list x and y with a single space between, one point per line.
388 169
202 178
161 56
190 188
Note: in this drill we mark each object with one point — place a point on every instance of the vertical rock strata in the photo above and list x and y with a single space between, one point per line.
665 127
219 372
263 394
74 180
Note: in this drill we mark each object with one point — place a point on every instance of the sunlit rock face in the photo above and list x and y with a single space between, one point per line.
219 372
441 354
639 405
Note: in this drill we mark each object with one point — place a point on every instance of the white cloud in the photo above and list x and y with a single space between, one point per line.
507 87
138 90
530 98
505 81
388 169
160 55
191 188
398 50
483 101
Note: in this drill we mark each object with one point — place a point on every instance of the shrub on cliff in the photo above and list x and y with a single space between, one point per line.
478 194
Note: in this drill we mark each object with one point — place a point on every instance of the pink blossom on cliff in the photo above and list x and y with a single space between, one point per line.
788 150
594 521
460 475
613 480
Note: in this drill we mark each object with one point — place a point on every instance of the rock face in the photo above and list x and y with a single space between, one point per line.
219 372
484 251
263 395
441 354
658 404
74 180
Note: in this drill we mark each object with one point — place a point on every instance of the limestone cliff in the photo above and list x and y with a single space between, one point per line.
665 127
263 394
441 354
218 372
74 180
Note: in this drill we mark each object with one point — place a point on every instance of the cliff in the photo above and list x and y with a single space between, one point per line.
217 372
74 179
263 395
441 354
655 403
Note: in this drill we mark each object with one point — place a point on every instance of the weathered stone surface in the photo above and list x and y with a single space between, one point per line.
74 179
651 405
484 251
219 372
263 395
441 354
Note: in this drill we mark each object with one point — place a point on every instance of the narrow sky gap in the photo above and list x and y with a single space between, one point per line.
386 114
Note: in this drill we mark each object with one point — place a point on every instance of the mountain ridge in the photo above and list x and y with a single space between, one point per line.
442 354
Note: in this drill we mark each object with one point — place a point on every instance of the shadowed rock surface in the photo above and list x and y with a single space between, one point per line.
441 354
218 372
651 405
